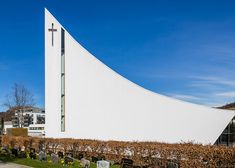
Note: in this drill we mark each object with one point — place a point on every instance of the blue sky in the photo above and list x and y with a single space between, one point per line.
184 49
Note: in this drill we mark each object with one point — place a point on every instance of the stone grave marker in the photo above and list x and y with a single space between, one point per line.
32 153
68 159
60 154
22 153
42 156
126 163
22 148
103 164
14 152
172 165
80 156
94 159
54 158
85 163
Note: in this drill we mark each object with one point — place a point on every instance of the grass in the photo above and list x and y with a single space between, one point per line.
46 164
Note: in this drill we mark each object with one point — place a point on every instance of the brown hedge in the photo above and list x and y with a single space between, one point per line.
142 153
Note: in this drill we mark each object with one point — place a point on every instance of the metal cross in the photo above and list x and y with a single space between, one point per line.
52 31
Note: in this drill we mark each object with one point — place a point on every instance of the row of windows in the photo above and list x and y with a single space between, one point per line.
36 128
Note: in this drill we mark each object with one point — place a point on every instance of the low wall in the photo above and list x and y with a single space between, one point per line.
17 131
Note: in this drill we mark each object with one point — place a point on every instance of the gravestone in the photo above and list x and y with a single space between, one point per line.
68 159
60 154
32 153
54 158
70 154
172 165
22 153
22 148
103 164
42 156
85 163
126 163
94 159
80 156
14 152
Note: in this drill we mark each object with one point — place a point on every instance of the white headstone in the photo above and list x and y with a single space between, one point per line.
103 164
85 163
42 156
23 148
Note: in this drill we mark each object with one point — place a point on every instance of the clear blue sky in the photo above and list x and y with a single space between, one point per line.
184 49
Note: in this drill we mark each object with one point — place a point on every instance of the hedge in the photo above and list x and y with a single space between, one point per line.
148 154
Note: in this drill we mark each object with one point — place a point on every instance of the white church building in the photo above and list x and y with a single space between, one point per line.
86 99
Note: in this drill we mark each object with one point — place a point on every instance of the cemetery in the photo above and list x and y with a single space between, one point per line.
48 152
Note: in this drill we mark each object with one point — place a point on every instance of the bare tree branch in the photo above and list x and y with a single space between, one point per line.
19 96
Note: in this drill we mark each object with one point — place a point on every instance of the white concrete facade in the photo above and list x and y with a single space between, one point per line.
101 104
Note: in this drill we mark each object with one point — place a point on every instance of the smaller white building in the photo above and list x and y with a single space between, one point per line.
31 118
36 130
7 124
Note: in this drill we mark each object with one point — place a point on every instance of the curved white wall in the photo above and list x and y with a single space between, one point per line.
101 104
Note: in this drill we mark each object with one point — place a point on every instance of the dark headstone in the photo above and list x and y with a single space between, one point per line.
172 165
126 163
42 156
70 154
68 160
94 159
14 152
32 153
80 156
60 154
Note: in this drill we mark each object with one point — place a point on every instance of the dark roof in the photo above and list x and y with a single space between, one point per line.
7 115
230 106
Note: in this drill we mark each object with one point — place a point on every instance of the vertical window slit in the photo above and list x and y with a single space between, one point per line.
62 80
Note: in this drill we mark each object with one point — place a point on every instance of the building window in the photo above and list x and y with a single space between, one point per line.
62 80
36 128
40 119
